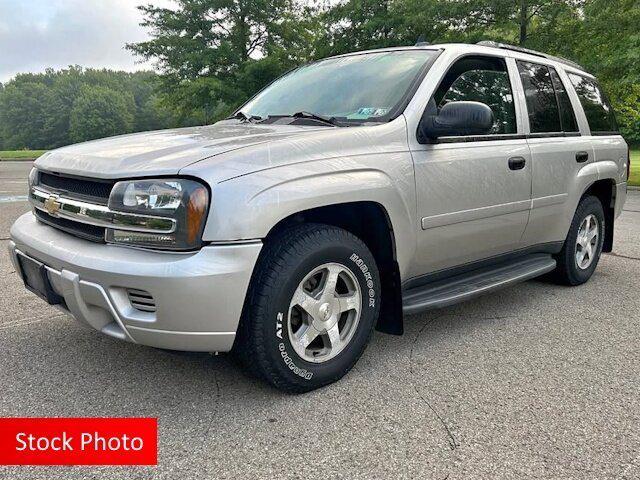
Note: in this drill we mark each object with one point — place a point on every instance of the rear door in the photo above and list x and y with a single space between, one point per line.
558 152
604 135
473 193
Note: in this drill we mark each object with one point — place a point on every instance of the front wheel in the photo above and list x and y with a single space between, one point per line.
311 309
582 248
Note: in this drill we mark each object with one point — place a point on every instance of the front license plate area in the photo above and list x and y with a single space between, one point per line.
37 281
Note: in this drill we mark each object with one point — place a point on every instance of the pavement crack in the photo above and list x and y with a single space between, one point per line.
627 257
216 406
453 443
218 390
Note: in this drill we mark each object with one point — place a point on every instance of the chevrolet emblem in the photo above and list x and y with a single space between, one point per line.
52 206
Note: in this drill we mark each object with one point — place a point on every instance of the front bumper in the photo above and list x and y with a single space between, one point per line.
198 296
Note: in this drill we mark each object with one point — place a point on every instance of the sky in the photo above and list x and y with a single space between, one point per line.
36 34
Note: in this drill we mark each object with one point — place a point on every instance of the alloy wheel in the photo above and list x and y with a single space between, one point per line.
587 242
324 312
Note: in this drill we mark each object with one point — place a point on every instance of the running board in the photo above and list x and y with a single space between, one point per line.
459 288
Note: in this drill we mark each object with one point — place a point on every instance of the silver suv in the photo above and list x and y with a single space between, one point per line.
347 193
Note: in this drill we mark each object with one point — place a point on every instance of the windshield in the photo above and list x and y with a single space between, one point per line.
356 87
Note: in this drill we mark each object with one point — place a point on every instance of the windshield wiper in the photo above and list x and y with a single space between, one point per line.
332 121
315 116
240 115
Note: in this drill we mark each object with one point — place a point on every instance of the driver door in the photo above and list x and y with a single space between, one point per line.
473 192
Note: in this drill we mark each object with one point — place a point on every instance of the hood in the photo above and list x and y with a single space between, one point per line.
162 152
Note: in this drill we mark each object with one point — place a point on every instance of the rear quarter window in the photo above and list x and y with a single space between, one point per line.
595 104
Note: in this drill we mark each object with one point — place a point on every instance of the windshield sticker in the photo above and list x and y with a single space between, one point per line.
369 112
372 112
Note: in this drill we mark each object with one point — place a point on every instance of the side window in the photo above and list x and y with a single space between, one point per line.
481 79
567 115
542 105
595 104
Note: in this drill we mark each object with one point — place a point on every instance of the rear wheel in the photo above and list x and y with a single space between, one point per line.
313 303
582 248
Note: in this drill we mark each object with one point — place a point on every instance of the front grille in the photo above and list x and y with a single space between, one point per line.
79 188
141 300
76 187
82 230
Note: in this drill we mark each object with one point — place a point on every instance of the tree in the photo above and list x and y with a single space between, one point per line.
35 109
25 115
361 24
101 112
215 54
357 25
603 36
206 48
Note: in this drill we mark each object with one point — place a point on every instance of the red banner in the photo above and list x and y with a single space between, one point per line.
78 441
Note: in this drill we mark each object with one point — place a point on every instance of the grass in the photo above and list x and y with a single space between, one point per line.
20 154
634 178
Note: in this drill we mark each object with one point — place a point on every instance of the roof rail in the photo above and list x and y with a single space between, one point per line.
506 46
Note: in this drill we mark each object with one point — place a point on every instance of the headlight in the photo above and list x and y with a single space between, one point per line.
183 200
33 177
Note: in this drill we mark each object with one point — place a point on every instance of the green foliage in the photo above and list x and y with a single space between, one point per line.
24 115
627 107
36 109
634 178
359 25
215 54
100 112
606 40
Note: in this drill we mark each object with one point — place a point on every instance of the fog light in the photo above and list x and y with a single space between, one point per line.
140 238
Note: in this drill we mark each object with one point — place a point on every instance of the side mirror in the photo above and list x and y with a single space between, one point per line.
456 118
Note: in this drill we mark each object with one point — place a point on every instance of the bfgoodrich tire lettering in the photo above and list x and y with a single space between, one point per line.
264 337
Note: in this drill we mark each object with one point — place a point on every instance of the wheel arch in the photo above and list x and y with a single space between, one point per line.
370 221
605 190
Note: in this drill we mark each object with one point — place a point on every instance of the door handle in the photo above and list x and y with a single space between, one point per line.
582 157
517 163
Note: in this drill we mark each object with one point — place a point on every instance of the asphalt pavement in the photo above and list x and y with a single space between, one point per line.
535 381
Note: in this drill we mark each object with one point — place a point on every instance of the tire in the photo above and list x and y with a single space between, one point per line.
569 271
284 289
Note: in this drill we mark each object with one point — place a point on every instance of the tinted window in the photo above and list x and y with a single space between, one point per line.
567 116
541 98
481 79
596 106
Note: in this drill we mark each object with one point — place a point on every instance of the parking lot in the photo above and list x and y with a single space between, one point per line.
535 381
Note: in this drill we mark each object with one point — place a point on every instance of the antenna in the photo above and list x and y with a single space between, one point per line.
421 42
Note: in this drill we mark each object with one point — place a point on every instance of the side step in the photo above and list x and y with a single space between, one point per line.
459 288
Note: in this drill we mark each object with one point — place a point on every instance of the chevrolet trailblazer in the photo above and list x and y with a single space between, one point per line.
347 193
